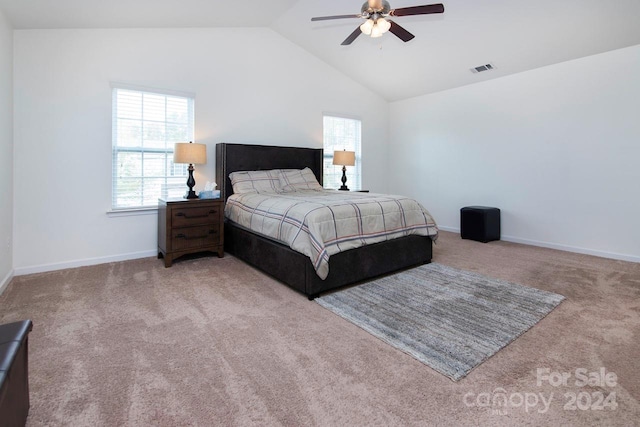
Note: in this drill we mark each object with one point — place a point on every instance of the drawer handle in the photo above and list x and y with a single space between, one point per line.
196 216
184 236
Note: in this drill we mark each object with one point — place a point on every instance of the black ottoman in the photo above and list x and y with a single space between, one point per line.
480 223
14 373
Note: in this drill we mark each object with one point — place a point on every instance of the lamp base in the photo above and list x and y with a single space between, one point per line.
191 183
344 180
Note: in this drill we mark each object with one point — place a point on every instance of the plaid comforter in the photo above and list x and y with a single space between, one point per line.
322 223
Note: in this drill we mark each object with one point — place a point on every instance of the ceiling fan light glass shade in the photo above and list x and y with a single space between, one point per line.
367 26
376 31
383 25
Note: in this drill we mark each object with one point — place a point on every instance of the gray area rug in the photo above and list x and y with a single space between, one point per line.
450 319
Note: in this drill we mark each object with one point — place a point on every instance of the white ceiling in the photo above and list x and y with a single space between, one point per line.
513 35
31 14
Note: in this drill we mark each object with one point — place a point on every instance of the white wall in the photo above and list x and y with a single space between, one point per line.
251 86
6 150
556 148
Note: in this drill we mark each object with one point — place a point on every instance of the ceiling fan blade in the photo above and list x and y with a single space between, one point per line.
352 37
418 10
326 18
400 32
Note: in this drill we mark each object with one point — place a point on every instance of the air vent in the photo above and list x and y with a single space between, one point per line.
481 68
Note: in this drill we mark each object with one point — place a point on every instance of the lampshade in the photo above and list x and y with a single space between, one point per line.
367 27
344 158
188 152
383 24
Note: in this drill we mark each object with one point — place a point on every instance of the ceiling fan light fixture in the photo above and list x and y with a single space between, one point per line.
367 27
383 24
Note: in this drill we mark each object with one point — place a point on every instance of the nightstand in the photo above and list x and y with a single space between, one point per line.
189 226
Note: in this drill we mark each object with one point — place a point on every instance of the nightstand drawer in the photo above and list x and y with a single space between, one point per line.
195 237
194 216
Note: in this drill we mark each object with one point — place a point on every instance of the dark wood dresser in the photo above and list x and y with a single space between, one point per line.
189 226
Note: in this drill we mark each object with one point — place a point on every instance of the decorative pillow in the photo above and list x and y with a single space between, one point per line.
294 180
256 181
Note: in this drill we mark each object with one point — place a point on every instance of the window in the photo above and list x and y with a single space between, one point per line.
341 133
145 127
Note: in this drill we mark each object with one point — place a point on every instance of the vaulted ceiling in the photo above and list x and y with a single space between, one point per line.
143 13
514 36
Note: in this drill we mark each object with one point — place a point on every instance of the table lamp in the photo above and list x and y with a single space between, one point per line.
344 158
194 154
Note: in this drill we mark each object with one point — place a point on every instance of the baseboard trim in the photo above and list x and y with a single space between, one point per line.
5 282
21 271
566 248
450 229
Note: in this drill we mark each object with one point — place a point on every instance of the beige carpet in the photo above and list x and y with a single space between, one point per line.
213 342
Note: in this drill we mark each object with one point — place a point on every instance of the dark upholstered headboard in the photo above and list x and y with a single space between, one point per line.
243 157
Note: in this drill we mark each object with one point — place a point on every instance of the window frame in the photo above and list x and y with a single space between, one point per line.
354 173
118 210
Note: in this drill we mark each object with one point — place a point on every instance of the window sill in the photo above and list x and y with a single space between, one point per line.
132 212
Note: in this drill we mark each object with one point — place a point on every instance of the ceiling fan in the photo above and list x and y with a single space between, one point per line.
376 13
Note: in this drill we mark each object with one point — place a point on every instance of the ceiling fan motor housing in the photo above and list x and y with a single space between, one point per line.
371 7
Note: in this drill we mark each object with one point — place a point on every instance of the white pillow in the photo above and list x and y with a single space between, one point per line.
256 181
295 180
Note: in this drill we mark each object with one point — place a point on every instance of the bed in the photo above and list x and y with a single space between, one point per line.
293 268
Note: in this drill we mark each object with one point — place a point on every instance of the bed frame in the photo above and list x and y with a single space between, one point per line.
287 265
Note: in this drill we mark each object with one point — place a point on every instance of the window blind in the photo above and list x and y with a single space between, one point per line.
146 125
341 133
